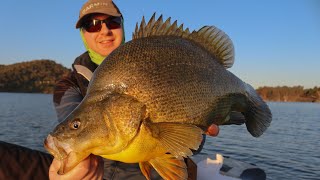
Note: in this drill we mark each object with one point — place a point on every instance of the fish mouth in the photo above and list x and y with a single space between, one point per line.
52 146
67 157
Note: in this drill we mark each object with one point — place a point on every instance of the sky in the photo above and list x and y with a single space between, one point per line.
277 42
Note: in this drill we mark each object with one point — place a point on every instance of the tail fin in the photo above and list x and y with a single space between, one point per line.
258 115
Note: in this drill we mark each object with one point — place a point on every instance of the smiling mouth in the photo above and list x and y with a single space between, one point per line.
106 41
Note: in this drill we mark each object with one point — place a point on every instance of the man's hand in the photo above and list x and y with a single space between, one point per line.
89 168
213 130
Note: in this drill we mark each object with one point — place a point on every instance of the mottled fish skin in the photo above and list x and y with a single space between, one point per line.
178 80
152 95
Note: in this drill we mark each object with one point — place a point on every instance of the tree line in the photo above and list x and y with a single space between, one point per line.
290 94
36 76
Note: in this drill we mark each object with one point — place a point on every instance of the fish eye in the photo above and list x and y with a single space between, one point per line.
75 124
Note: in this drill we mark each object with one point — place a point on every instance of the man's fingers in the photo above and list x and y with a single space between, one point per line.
81 167
88 169
54 168
55 165
213 130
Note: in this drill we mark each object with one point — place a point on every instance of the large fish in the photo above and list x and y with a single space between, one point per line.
151 99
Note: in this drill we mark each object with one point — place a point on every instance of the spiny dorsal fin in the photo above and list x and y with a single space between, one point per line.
210 37
158 28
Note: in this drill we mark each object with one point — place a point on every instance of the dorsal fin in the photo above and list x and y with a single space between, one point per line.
211 38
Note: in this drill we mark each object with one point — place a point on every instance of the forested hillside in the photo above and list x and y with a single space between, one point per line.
290 94
37 76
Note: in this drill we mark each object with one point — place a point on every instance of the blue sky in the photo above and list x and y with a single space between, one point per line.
277 42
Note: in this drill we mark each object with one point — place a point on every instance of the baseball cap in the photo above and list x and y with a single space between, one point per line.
98 6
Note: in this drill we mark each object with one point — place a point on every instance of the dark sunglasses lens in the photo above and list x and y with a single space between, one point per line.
91 27
113 23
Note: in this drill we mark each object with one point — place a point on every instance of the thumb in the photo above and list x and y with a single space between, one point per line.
213 130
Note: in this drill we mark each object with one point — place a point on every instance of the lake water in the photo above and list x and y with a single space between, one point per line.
289 149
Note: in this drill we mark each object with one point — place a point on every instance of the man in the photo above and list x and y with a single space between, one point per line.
101 29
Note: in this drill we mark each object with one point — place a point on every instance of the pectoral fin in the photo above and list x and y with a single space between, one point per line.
170 167
177 138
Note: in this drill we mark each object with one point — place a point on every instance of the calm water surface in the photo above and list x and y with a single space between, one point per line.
289 149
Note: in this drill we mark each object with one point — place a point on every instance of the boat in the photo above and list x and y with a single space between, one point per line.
219 167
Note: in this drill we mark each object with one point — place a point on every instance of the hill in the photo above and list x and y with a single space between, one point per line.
290 94
37 76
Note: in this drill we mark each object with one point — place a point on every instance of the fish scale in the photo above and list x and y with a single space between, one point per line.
164 87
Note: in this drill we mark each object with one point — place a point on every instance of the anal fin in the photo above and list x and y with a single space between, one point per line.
145 168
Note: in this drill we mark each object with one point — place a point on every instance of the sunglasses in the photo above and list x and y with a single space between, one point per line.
95 25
